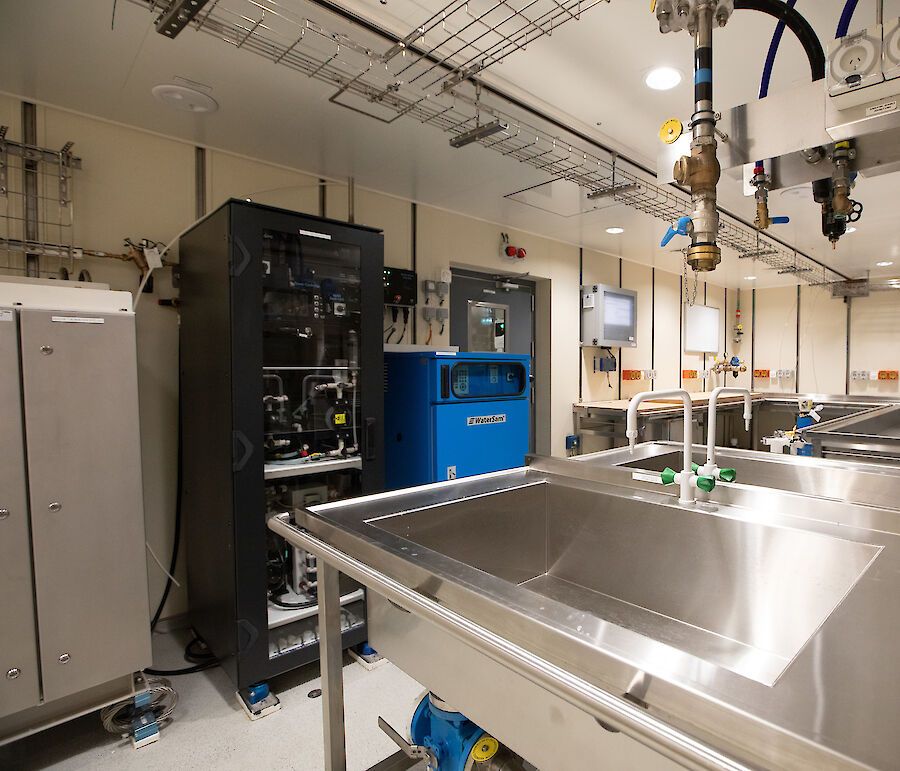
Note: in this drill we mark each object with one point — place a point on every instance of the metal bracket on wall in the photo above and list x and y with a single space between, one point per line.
4 162
40 154
44 214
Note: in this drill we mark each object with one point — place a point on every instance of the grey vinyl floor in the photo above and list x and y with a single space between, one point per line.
210 730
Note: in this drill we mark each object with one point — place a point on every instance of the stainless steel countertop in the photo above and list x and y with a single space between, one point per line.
839 480
880 426
783 688
619 407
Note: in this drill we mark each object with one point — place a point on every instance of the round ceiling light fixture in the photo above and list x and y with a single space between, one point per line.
662 78
615 231
184 98
851 229
884 264
749 278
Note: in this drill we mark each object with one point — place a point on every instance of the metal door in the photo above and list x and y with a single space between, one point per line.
19 677
513 293
79 377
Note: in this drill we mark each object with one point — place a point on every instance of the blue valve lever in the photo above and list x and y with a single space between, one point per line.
679 227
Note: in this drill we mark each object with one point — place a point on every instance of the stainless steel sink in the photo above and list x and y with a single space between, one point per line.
740 595
763 622
853 482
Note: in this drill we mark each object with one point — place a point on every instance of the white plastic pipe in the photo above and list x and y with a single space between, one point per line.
711 419
631 432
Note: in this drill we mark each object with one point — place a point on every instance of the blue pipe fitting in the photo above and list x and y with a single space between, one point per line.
451 736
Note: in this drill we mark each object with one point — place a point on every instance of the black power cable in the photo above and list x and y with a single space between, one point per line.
178 484
795 22
185 671
195 652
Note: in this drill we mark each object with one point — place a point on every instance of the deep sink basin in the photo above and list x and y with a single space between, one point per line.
741 595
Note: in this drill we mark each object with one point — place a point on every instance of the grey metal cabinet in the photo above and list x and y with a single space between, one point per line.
82 439
19 685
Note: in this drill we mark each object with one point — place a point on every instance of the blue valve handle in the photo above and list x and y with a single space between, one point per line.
780 220
679 227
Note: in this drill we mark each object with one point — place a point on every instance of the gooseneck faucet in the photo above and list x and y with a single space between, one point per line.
686 478
710 468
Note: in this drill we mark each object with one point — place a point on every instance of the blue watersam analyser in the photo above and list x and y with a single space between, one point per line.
452 415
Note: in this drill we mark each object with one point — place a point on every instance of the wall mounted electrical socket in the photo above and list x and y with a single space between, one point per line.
429 313
446 275
442 314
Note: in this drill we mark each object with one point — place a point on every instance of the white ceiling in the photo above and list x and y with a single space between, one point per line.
588 73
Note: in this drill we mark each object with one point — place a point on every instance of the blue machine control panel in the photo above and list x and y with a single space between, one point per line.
454 415
484 379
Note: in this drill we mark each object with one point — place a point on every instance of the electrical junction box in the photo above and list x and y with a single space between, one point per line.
400 287
605 364
609 316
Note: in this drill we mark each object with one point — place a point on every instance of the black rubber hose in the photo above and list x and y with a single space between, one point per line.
177 538
185 671
796 24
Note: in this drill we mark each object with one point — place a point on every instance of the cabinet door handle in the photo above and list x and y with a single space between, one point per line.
246 451
369 439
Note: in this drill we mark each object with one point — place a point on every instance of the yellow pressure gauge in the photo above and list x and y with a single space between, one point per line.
671 130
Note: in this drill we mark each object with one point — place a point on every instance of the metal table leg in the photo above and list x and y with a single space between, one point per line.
331 660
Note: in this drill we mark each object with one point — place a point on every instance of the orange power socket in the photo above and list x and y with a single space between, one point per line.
760 373
887 374
631 374
688 374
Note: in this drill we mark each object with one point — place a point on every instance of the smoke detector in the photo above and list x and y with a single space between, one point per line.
184 98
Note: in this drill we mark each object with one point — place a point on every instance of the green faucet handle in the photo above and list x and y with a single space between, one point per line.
695 467
727 474
706 483
667 476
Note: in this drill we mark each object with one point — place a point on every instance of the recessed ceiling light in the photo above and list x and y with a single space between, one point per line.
662 78
884 264
615 231
851 229
749 278
184 98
